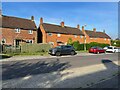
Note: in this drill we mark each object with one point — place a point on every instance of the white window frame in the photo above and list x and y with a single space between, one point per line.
3 39
28 41
49 34
81 36
58 35
17 30
75 36
30 31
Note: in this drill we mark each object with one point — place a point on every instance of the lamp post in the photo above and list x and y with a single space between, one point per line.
85 40
85 43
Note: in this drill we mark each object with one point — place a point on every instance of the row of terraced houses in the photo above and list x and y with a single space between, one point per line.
15 31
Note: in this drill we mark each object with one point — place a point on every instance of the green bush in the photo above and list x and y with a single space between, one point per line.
79 47
76 45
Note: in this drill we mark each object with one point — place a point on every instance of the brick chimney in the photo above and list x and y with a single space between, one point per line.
83 30
32 18
41 20
62 24
78 26
94 29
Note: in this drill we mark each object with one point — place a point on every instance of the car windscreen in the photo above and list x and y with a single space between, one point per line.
109 47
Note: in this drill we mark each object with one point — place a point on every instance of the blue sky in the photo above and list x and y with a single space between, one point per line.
99 15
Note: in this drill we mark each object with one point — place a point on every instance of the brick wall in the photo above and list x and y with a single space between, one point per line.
46 38
10 35
98 40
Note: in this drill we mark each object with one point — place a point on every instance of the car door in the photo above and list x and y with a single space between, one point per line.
101 50
63 50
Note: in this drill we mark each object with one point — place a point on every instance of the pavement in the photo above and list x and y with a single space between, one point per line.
79 71
19 58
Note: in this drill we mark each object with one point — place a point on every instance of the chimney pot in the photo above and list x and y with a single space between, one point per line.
32 18
41 20
62 24
104 31
78 26
94 29
83 28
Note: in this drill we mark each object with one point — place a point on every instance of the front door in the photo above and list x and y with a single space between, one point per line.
17 43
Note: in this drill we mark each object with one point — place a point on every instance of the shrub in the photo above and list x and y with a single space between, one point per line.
70 42
76 45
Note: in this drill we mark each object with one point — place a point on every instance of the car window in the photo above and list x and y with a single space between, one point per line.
115 48
67 47
109 47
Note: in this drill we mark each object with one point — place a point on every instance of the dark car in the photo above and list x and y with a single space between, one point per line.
96 49
62 50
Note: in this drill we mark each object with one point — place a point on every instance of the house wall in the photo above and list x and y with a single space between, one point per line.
98 40
63 38
10 34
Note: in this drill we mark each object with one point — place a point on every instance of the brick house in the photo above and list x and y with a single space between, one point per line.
16 30
58 34
95 36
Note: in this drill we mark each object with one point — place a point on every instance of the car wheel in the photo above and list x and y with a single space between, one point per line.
57 54
98 52
72 53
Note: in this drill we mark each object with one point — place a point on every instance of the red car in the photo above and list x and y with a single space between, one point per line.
96 49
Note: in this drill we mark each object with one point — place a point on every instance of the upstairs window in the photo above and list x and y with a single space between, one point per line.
49 34
58 34
75 36
17 30
30 31
81 36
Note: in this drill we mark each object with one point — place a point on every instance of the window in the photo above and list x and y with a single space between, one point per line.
104 38
3 40
49 34
81 36
17 30
30 31
75 36
91 38
29 41
58 34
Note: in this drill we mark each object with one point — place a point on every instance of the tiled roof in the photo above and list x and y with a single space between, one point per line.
93 34
15 22
64 30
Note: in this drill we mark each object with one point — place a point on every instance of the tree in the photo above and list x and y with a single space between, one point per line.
70 41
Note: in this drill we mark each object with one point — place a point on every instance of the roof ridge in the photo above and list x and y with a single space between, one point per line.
17 17
59 25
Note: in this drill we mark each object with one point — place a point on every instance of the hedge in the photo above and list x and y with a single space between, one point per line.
79 46
31 48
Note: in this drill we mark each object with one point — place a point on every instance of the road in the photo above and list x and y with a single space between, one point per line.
110 83
14 72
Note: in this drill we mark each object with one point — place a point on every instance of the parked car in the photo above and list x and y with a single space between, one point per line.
96 49
105 48
62 50
113 49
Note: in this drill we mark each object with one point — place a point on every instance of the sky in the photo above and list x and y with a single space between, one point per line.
99 15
